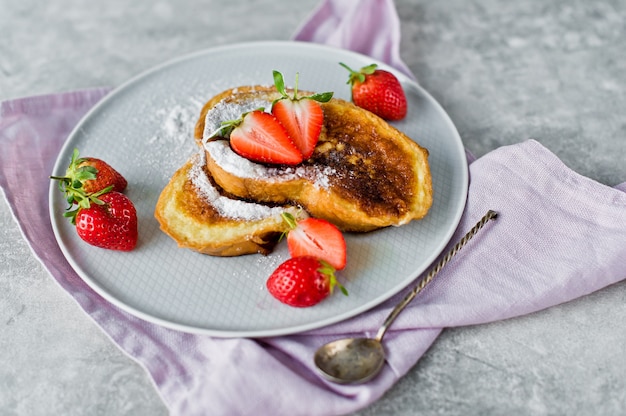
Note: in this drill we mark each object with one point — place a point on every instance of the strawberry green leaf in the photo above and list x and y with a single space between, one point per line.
71 215
355 76
289 219
279 82
291 222
359 76
329 271
368 70
72 186
323 97
85 173
343 289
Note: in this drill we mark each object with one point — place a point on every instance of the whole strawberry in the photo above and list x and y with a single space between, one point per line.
110 224
88 175
378 91
303 281
103 216
105 176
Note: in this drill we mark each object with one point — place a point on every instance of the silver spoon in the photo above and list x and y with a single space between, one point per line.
357 360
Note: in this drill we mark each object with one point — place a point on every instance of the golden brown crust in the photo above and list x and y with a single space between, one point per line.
193 223
378 167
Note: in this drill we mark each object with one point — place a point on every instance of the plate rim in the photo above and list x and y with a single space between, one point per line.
60 165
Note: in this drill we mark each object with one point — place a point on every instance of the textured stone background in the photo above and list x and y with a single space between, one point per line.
554 71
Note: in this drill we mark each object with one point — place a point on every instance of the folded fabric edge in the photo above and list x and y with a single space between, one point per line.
39 103
329 21
532 145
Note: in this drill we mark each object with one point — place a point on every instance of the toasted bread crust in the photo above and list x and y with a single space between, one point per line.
193 222
374 175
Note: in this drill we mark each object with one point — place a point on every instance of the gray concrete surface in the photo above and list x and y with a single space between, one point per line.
554 71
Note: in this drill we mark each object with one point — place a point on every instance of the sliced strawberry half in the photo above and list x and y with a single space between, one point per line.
318 238
261 138
302 117
303 121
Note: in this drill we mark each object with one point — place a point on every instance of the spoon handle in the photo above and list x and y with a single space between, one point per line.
433 272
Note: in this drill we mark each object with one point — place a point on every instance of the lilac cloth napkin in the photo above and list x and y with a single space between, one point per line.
370 27
559 236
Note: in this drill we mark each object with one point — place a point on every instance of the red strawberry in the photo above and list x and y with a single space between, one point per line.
111 224
303 281
378 91
86 176
316 237
105 176
259 136
302 117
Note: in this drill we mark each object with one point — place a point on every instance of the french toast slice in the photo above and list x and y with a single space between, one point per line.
364 173
198 215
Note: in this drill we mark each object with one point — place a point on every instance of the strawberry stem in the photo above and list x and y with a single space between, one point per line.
72 186
279 82
291 222
72 183
295 87
329 271
360 74
289 219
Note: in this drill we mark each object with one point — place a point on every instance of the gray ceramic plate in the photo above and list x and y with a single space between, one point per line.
144 129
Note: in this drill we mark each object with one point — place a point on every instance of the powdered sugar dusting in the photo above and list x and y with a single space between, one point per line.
227 110
172 137
177 123
231 162
227 207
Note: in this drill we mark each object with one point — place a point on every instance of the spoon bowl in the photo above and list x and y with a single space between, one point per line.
358 360
351 360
